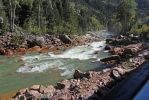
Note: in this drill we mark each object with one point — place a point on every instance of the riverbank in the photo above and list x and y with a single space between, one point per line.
94 84
14 44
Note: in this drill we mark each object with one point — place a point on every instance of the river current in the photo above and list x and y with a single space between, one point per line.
49 68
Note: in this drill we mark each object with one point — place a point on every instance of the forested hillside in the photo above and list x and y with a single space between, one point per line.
67 16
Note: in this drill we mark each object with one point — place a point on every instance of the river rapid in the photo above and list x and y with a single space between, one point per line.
49 68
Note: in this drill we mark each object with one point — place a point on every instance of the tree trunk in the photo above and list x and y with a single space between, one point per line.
13 19
11 14
39 16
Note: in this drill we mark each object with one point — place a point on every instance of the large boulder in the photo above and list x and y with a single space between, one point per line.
78 75
35 41
65 39
64 84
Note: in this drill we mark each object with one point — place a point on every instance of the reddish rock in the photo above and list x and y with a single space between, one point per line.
21 50
118 50
9 52
34 49
44 49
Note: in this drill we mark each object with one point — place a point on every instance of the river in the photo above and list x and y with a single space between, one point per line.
49 68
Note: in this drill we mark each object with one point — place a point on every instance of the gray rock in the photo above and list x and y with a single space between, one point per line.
65 39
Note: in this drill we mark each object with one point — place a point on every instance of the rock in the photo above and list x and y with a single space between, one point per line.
64 84
115 74
146 57
9 52
50 90
42 89
35 94
44 49
120 70
2 51
22 91
108 47
40 41
34 49
35 41
65 96
118 50
65 39
111 58
78 74
35 87
21 50
22 98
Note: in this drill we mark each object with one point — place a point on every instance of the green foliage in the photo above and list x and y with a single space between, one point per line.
94 23
16 39
126 15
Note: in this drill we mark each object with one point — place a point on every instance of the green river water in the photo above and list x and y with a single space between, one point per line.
46 69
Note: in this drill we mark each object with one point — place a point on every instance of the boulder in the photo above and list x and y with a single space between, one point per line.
50 90
22 91
108 47
118 50
40 41
111 58
64 84
22 98
42 89
78 74
35 94
65 39
116 75
35 41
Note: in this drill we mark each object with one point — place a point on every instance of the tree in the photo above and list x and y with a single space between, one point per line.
13 4
126 15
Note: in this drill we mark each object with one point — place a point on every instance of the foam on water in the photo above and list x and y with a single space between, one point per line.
82 52
42 62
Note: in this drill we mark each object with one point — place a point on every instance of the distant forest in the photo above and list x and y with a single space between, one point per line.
74 16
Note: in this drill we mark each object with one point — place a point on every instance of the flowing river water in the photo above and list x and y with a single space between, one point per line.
49 68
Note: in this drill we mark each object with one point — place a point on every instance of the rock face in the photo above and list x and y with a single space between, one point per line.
65 39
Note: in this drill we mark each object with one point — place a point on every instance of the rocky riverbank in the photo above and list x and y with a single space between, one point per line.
13 44
93 84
